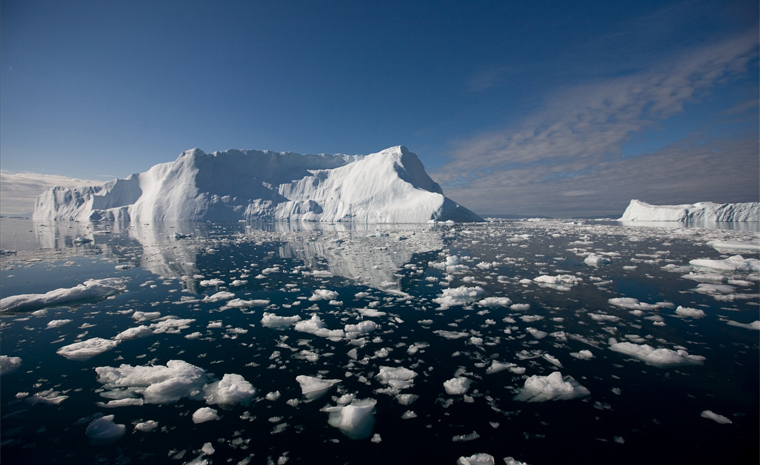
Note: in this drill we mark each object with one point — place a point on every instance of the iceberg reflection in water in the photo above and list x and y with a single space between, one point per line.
538 341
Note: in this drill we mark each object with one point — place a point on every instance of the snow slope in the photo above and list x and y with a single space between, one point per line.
385 187
698 212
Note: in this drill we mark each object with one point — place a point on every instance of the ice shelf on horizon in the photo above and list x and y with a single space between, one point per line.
390 186
698 212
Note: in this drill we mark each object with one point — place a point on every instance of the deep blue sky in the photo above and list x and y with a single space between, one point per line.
527 107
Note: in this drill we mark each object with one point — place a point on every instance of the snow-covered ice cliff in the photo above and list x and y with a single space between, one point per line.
698 212
385 187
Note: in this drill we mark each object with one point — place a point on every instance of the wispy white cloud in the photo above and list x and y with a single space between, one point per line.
576 139
19 190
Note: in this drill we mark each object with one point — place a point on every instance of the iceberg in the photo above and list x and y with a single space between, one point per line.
698 212
390 186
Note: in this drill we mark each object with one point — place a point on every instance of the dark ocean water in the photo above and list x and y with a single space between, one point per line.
635 412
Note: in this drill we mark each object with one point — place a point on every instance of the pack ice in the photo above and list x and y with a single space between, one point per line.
698 212
385 187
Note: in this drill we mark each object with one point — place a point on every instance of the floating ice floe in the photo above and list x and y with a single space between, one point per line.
457 385
582 355
146 426
270 320
57 323
9 364
754 325
396 378
660 358
171 325
690 312
477 459
316 326
126 402
631 303
596 260
369 312
323 294
103 431
158 384
495 302
87 349
219 296
735 263
314 388
204 414
551 387
231 389
363 327
354 420
716 417
562 282
736 246
134 333
459 296
90 290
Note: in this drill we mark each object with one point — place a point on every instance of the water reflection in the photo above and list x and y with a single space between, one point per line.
368 253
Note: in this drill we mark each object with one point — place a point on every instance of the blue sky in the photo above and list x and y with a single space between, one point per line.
552 108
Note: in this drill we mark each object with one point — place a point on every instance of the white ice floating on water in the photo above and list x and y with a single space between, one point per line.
698 212
396 379
660 358
462 295
103 431
87 349
204 414
316 326
716 417
477 459
689 312
90 290
158 384
562 282
385 187
57 323
146 426
9 364
734 263
755 325
551 387
457 386
354 420
270 320
597 260
314 388
231 389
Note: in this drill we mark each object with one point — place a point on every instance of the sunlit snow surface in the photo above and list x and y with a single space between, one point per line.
522 342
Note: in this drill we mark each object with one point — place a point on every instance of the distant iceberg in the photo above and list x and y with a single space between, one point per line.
385 187
699 212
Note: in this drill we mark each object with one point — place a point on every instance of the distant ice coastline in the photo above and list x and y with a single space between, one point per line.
701 212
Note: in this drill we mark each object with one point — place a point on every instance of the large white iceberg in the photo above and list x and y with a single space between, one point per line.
385 187
698 212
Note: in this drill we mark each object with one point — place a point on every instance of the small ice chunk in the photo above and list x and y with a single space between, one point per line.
232 389
690 312
551 387
92 289
270 320
495 302
631 303
582 355
754 325
717 418
84 350
57 323
316 326
459 296
134 333
660 358
456 386
103 430
146 426
354 420
219 296
323 294
204 414
477 459
9 364
396 378
314 388
596 260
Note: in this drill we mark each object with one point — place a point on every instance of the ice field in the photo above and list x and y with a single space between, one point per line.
538 342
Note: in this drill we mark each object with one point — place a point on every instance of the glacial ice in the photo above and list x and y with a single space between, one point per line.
354 420
462 295
734 263
204 414
716 417
477 459
9 364
158 384
92 289
87 349
314 388
457 385
231 389
698 212
390 186
660 358
552 387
